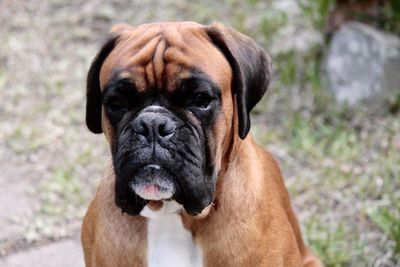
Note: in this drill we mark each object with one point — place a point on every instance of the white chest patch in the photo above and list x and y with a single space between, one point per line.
170 244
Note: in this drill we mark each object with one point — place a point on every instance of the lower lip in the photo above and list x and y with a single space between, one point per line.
158 189
151 189
153 192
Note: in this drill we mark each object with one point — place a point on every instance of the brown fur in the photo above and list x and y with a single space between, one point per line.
251 222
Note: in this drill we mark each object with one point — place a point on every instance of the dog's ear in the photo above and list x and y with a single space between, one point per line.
251 67
93 93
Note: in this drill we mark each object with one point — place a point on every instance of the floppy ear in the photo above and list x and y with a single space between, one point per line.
251 67
93 93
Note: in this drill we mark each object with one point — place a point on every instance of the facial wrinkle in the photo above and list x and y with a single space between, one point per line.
158 62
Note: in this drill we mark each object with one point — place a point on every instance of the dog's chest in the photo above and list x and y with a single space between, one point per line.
169 243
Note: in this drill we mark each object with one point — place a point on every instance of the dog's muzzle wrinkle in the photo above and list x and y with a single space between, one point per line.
161 156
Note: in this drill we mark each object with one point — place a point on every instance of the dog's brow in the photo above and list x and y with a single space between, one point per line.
120 84
199 83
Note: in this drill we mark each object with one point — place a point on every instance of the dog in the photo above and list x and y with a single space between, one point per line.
187 185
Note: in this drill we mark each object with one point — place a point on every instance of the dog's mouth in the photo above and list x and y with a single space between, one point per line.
153 182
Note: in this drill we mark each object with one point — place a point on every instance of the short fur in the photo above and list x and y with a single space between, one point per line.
250 221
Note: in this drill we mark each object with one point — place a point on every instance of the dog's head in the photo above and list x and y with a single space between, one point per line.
171 99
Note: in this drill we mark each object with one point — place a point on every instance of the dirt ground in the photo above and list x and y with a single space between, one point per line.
339 173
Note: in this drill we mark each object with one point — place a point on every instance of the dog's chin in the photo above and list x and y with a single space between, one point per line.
153 191
153 182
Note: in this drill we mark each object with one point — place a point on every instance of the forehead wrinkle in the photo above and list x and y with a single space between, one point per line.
145 55
139 38
128 45
148 60
139 61
156 55
158 62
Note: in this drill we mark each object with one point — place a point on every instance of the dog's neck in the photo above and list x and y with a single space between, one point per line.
168 240
232 193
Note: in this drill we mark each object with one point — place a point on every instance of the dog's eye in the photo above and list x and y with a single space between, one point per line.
116 106
200 101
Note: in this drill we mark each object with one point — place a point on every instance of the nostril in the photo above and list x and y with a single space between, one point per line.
166 128
153 126
140 127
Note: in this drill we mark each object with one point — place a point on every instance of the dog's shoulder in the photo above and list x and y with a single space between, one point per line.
105 229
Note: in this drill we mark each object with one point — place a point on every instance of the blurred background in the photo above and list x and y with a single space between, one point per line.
330 117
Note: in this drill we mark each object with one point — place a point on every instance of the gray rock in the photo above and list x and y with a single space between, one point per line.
363 64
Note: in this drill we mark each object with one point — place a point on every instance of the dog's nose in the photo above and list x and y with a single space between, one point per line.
154 125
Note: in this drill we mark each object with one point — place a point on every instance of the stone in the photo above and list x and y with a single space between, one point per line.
362 64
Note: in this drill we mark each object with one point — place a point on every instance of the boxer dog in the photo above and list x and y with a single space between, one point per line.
187 185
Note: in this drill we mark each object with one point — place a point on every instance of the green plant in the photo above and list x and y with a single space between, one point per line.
61 192
389 221
316 12
329 243
271 22
390 17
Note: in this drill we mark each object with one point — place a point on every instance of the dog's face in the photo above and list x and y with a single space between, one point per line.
166 96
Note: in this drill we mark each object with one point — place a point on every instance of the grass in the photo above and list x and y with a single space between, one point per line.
316 12
271 21
341 166
389 221
24 139
61 192
345 183
330 241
